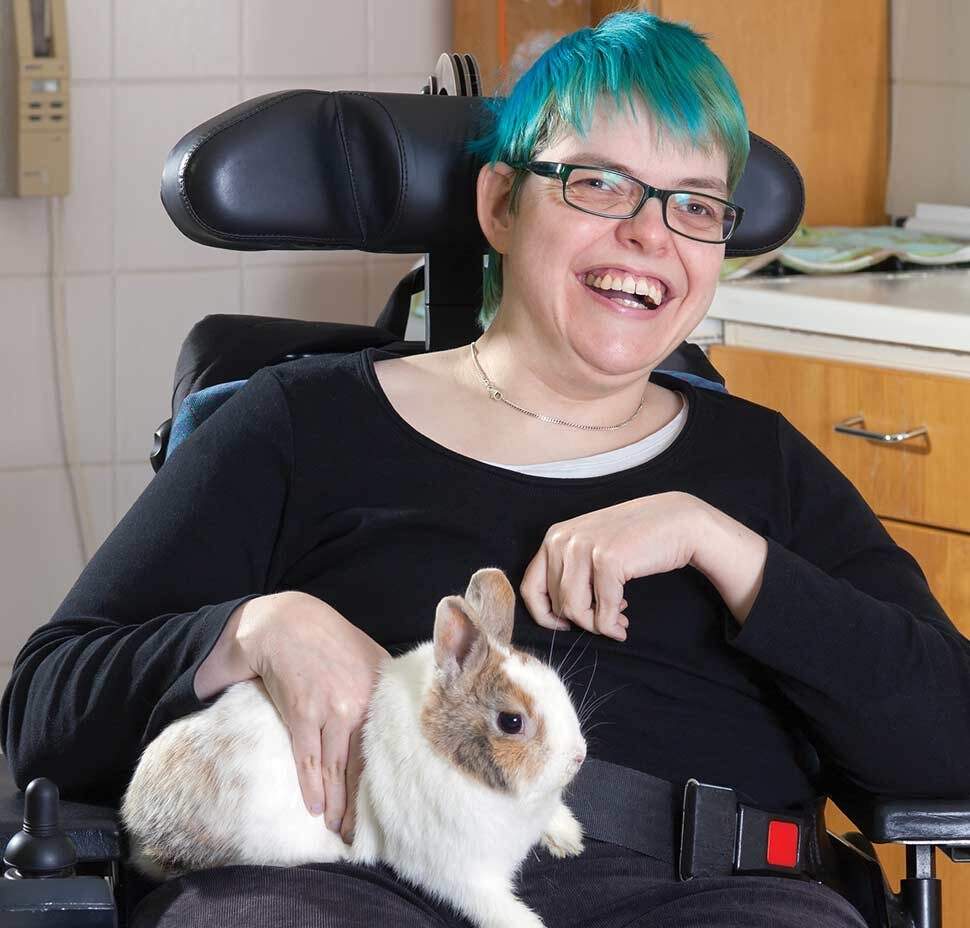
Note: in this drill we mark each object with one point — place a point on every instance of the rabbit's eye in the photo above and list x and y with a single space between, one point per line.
510 722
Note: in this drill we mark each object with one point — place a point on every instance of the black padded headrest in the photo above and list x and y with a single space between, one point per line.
382 172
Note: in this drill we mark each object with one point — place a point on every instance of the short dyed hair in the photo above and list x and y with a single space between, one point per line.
631 53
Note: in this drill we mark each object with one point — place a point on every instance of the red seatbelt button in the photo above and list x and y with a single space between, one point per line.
782 844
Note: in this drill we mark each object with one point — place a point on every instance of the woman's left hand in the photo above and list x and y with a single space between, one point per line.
583 563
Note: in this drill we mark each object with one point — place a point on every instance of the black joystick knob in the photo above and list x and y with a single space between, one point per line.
40 849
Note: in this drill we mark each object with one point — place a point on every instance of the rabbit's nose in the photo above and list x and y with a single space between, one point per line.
580 756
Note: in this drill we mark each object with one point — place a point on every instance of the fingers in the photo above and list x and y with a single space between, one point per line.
590 593
321 762
571 586
609 605
355 763
551 603
336 745
535 593
305 738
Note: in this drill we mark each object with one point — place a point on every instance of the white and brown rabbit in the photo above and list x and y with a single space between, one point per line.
467 743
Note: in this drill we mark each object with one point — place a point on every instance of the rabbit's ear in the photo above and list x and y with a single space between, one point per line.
492 598
459 646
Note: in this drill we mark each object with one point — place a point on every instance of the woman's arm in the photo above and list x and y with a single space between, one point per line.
225 664
847 623
118 660
732 557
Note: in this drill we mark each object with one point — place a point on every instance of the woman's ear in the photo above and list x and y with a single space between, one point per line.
494 190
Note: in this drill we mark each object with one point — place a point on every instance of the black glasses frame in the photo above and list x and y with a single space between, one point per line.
562 170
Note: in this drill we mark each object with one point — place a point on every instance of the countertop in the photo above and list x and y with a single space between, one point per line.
926 309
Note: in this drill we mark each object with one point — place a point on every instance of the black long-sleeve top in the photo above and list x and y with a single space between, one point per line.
308 479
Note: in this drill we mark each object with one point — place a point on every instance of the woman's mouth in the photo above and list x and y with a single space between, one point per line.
624 302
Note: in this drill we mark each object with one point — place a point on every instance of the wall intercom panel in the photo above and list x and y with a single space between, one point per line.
37 117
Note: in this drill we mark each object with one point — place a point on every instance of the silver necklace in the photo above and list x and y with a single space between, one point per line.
496 394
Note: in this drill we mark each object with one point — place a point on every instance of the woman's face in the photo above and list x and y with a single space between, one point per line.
549 248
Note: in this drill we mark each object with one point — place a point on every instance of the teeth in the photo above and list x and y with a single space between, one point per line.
628 284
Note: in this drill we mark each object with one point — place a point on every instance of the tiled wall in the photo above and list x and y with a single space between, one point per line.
930 104
143 74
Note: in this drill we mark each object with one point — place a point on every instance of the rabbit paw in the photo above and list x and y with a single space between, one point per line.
564 835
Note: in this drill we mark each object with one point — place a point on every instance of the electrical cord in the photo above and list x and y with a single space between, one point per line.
65 402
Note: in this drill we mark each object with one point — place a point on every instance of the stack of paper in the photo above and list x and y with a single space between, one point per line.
844 249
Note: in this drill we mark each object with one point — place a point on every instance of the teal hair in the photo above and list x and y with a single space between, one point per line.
629 54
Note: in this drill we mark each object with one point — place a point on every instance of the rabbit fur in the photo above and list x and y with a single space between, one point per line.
447 798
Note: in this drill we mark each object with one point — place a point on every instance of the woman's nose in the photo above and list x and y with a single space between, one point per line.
648 223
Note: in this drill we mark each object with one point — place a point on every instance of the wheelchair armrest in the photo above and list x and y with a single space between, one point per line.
914 821
94 829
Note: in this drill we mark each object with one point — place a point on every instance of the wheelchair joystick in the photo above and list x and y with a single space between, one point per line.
40 850
40 886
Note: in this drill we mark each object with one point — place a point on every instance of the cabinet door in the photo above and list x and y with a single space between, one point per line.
944 557
814 79
921 480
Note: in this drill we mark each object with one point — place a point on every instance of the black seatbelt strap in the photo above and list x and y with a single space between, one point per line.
704 830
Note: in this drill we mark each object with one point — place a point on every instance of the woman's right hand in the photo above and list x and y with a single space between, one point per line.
320 670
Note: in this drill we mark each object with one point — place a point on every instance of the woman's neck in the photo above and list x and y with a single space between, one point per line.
555 387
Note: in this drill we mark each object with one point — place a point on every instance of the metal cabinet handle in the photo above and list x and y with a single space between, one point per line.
845 428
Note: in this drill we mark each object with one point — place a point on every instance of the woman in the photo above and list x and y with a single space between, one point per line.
745 606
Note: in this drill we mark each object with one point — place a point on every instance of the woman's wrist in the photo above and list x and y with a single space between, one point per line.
732 557
226 664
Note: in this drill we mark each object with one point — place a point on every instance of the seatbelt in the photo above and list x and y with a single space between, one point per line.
703 829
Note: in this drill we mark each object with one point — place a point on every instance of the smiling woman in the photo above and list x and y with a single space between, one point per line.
743 617
569 341
605 201
695 105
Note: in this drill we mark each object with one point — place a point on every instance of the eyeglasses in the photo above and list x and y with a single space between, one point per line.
616 195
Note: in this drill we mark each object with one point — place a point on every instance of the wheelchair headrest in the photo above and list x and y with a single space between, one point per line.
382 172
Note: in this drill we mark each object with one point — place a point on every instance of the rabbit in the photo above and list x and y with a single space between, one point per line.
467 742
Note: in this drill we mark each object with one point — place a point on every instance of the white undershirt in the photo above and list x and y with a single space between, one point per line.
609 462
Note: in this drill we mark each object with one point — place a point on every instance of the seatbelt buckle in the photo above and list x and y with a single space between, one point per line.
720 836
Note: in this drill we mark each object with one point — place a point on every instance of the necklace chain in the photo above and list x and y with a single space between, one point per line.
496 394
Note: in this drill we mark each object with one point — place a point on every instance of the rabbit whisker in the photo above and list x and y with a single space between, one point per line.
598 701
588 682
597 725
552 644
572 673
579 657
594 705
573 645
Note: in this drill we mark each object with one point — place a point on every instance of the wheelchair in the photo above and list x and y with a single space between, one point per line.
389 173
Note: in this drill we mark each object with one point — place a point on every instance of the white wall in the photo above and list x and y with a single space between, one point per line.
143 74
930 143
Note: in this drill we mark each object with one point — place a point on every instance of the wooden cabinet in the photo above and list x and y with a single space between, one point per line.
813 76
507 36
923 479
918 487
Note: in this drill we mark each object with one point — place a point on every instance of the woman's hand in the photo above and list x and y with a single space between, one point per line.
583 563
320 670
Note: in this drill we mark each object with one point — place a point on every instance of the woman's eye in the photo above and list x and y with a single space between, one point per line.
700 209
510 723
599 184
